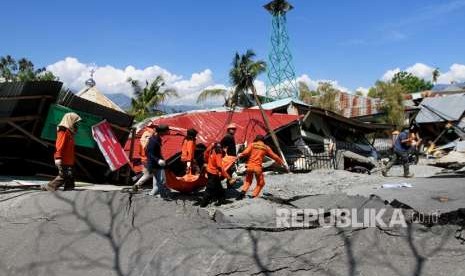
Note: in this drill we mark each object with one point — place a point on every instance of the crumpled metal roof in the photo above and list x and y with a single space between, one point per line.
451 107
211 126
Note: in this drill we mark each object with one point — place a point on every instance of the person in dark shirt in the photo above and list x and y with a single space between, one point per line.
229 142
156 163
401 152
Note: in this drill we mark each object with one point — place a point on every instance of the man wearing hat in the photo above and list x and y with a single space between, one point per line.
228 141
156 163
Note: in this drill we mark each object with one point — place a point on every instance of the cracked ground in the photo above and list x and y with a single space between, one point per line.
114 233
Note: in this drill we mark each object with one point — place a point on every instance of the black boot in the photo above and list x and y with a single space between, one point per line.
204 202
222 201
241 196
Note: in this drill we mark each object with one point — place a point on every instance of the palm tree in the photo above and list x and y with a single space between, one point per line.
8 66
23 70
149 97
436 75
243 73
215 93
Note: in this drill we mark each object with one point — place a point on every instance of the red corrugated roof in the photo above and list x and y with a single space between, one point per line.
211 126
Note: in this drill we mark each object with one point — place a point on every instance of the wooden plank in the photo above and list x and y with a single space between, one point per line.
15 98
18 119
27 133
83 157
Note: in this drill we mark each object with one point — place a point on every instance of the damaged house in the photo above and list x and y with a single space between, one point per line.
29 114
327 139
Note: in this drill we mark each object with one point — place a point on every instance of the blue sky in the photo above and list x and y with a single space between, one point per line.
351 42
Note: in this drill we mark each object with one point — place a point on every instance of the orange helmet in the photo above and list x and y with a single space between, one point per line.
232 126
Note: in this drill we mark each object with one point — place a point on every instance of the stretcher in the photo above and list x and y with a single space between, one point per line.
192 182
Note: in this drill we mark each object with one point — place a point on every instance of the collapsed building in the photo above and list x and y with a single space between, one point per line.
310 137
29 114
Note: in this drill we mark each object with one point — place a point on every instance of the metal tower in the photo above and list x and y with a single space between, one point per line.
281 75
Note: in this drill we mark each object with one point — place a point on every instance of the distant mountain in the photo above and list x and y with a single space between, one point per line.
121 100
124 102
442 87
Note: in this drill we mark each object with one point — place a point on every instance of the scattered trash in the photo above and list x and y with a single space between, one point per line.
441 198
396 185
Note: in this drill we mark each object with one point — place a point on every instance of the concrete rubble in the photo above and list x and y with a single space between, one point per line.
115 233
453 160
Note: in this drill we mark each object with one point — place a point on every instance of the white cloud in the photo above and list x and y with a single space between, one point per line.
456 73
313 84
111 80
390 74
422 71
364 90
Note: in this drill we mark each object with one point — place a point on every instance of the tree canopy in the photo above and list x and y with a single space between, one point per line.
411 83
147 98
245 69
22 70
392 96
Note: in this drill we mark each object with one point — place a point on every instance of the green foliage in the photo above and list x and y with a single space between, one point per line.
359 93
392 96
411 83
146 99
213 93
23 70
242 75
305 94
436 75
327 97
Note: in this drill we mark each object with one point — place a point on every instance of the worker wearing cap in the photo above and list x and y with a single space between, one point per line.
64 153
228 141
156 163
188 149
215 173
255 153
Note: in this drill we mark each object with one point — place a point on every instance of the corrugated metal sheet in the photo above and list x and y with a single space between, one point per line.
451 107
354 106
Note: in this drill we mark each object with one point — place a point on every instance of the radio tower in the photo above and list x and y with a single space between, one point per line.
281 75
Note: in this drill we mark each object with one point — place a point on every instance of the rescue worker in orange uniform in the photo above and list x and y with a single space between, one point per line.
143 142
188 150
255 153
64 153
215 173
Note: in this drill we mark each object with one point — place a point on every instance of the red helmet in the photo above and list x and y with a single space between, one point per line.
232 126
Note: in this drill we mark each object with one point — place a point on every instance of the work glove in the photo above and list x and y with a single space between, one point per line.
58 162
188 164
161 163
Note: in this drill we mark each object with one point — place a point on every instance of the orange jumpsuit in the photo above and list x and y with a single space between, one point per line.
215 162
65 147
188 150
256 152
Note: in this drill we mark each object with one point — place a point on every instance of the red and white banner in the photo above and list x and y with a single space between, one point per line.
110 147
